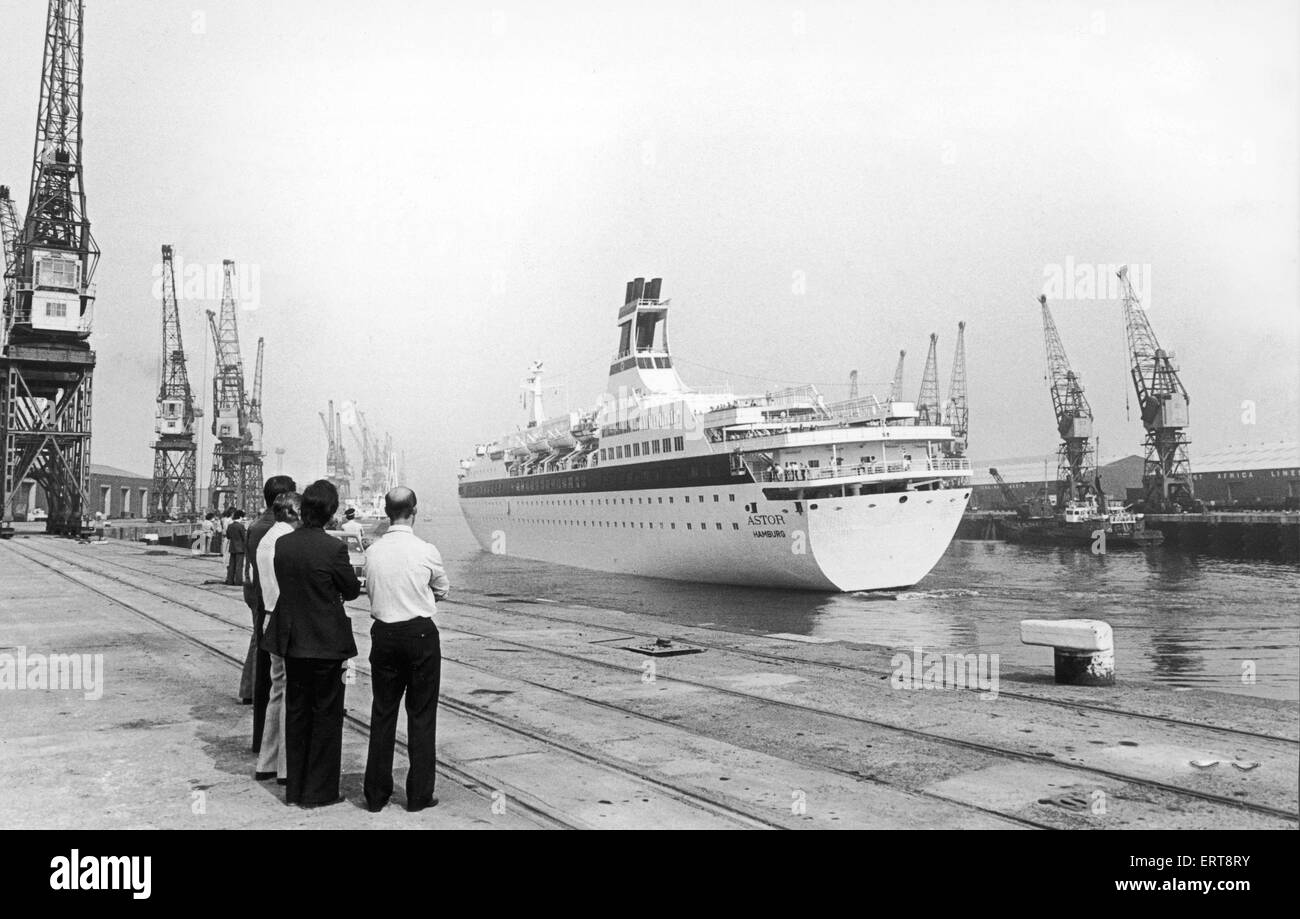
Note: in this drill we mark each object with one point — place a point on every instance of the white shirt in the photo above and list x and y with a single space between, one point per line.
354 528
266 564
404 576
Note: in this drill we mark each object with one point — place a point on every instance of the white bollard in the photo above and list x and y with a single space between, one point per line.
1084 649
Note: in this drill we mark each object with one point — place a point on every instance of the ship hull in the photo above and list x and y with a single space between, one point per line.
729 535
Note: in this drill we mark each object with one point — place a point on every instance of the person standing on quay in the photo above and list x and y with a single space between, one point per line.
269 736
255 681
311 631
237 540
404 578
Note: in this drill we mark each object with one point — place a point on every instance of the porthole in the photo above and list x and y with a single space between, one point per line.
902 499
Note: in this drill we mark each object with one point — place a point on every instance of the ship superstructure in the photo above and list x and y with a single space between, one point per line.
777 489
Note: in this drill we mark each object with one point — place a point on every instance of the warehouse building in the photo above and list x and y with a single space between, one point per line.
118 493
1247 477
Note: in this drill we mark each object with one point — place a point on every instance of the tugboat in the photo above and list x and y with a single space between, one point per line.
1079 524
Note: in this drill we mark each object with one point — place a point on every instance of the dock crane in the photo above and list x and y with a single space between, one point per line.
1076 460
47 365
336 460
9 230
956 414
1163 401
1009 496
250 455
896 386
229 403
927 403
173 495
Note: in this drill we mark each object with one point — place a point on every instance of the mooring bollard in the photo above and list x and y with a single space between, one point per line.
1084 648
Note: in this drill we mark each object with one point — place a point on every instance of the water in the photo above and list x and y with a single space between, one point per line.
1179 620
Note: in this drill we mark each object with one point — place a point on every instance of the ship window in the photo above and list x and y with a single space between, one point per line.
715 498
645 448
670 500
735 526
636 449
704 526
731 497
672 526
667 446
655 445
718 525
813 464
661 500
678 444
688 526
618 453
688 499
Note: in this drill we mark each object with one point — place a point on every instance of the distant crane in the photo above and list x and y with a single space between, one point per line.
336 461
46 365
927 403
896 386
1076 460
1008 495
9 230
250 455
1163 401
853 384
174 458
229 402
956 414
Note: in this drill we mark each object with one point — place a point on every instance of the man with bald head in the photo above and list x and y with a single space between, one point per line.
404 578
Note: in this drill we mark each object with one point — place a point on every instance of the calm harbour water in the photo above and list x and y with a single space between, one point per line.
1180 620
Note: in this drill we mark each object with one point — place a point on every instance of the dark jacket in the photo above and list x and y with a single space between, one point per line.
252 586
237 536
315 577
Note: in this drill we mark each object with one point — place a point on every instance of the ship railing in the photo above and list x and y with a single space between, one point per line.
800 473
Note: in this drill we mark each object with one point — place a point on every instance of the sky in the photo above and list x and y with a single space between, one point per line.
425 197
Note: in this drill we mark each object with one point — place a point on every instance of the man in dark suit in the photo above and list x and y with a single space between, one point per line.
311 631
237 540
257 664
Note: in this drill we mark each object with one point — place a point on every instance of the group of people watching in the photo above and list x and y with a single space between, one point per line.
297 577
227 534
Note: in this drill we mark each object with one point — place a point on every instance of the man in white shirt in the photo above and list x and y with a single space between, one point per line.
271 759
351 525
404 578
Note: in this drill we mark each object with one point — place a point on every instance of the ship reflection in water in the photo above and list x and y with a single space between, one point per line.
1178 620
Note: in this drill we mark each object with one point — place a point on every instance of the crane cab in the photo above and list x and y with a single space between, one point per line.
226 424
171 417
56 293
255 436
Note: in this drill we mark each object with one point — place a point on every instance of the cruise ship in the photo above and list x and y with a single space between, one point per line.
779 489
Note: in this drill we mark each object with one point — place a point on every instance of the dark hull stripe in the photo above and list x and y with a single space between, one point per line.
690 472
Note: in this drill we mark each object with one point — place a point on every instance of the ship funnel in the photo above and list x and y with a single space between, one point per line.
638 288
627 297
652 289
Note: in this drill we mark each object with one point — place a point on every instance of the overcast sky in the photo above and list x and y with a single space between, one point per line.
429 196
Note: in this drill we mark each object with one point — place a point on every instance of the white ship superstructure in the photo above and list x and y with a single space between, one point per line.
779 489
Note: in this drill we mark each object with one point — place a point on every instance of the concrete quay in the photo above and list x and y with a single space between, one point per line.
561 715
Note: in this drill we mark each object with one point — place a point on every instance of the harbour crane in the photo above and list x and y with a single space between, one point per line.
1009 496
1162 400
927 403
47 365
250 455
896 386
173 495
336 462
956 414
1076 460
9 230
229 403
853 385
